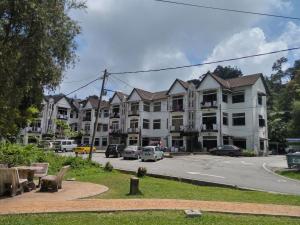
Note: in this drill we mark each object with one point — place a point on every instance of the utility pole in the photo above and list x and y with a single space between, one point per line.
97 114
221 122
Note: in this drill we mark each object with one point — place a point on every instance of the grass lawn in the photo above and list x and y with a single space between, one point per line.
145 218
290 174
118 184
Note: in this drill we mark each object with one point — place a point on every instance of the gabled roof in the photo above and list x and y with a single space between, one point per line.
56 98
242 81
94 100
149 96
184 84
120 95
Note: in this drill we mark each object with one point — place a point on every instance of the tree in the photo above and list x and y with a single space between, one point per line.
37 44
227 72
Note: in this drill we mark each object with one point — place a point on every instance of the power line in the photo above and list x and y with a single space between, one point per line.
226 9
205 63
127 84
77 81
82 86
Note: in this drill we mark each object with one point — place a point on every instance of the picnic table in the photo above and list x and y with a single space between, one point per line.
27 172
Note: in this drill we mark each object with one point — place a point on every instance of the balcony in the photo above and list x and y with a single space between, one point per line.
133 130
62 117
176 129
114 115
177 108
190 129
209 128
34 129
87 118
86 132
209 105
133 113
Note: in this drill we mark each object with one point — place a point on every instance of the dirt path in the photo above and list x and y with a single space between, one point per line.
69 200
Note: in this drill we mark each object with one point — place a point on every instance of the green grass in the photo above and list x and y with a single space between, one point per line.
118 184
291 174
144 218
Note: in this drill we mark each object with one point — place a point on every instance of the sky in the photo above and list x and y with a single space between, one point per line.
128 35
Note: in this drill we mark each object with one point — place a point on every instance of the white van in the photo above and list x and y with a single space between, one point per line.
64 145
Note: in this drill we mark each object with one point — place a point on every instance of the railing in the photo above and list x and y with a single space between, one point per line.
209 128
177 108
206 105
34 129
114 115
87 118
133 130
133 113
176 128
62 117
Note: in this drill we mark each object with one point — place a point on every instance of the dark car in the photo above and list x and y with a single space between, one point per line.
229 150
115 149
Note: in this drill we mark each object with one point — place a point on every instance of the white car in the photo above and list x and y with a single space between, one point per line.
152 153
132 152
64 145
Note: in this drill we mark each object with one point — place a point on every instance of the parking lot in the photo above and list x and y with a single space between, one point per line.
244 172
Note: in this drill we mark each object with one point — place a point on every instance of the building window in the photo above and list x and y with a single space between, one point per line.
177 122
240 142
134 107
134 123
97 142
238 119
177 103
146 106
86 141
225 119
133 140
106 113
115 125
261 120
104 127
238 97
146 124
71 115
259 99
87 127
156 124
98 127
209 98
156 106
209 121
104 141
225 98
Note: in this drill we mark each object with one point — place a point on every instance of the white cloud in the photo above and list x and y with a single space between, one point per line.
141 34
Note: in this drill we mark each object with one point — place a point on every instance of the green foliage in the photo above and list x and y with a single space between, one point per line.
15 155
108 167
141 172
227 72
37 44
248 153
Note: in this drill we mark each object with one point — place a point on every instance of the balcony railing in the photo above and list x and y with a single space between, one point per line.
176 128
133 130
207 105
114 115
87 118
133 113
62 116
34 129
209 128
177 108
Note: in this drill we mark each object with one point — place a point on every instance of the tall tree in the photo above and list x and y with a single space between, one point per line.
227 72
37 44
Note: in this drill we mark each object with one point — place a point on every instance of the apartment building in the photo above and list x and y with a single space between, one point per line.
193 115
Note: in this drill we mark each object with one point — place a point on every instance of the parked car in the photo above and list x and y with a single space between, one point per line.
132 152
229 150
84 149
114 149
151 153
64 145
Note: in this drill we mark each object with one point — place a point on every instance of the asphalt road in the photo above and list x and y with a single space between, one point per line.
244 172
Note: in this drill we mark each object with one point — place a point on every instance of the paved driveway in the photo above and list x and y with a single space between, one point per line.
243 172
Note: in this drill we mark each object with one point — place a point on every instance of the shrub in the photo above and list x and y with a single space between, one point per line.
108 167
248 153
142 171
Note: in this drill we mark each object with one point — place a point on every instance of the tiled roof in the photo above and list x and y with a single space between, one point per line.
183 83
94 102
121 95
56 98
150 96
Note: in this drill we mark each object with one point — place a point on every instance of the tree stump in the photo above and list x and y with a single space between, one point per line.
134 185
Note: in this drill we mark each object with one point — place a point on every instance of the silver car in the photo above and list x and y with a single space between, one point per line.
132 152
152 153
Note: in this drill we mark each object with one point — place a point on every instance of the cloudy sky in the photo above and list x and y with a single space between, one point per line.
122 35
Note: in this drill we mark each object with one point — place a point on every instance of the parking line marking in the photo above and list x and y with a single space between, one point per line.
204 174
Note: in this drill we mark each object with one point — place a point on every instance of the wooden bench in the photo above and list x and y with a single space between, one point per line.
10 182
53 182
